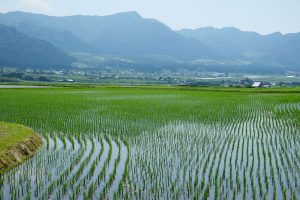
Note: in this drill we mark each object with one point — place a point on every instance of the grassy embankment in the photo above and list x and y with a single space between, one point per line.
17 142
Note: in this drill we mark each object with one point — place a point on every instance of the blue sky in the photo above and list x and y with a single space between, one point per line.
263 16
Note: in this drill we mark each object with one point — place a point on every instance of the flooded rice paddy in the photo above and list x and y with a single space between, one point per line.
171 146
69 168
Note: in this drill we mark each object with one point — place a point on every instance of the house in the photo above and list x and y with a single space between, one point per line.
257 84
263 84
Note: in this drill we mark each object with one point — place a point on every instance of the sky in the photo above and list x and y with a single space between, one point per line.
262 16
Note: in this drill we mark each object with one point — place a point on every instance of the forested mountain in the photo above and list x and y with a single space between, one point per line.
20 50
126 34
130 41
272 48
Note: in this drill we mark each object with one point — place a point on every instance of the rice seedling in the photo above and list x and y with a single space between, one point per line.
131 143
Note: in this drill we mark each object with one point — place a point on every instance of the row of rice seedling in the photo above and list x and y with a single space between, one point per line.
235 161
158 144
61 170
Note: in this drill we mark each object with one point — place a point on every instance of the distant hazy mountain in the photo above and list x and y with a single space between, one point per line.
128 40
126 34
273 48
20 50
64 40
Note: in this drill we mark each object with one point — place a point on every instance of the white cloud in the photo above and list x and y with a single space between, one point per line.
41 6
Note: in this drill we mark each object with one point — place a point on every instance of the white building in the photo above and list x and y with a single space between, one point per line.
257 84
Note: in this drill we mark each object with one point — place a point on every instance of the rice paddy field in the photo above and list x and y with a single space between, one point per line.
155 143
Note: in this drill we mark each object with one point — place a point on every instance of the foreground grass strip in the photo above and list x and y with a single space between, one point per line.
17 143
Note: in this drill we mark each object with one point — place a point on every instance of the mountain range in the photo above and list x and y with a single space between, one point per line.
147 43
275 47
20 50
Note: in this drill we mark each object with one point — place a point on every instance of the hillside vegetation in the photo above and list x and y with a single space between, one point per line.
129 41
20 50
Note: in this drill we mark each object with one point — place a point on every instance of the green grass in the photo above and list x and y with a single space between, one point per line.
11 134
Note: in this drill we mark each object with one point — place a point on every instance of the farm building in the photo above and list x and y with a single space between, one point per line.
262 84
257 84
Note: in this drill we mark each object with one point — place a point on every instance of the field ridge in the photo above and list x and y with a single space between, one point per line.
15 151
